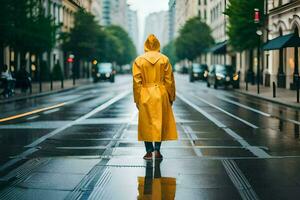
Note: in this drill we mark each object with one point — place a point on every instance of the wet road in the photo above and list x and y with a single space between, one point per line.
81 144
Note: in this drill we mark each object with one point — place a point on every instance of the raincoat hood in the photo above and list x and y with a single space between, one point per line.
152 44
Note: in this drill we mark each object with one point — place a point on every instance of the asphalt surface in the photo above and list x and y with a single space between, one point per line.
82 144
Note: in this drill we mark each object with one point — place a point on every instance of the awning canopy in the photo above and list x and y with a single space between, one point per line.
290 40
219 48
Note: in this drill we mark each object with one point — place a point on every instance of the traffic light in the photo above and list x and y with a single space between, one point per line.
256 16
70 58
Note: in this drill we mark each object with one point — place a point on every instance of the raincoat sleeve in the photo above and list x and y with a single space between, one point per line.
137 82
170 82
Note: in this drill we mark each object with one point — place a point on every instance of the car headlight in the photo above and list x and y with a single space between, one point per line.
219 78
195 74
107 75
98 75
235 77
227 78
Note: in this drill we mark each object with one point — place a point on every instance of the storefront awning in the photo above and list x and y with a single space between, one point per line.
219 48
290 40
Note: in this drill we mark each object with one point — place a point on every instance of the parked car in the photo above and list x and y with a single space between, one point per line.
198 72
222 75
104 71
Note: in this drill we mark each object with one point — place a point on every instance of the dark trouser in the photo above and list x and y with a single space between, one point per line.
150 148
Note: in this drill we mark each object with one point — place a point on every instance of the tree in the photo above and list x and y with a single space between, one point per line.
194 38
241 28
113 48
26 28
5 27
170 51
83 39
126 51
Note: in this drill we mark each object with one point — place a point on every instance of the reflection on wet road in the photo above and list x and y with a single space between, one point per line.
230 146
154 186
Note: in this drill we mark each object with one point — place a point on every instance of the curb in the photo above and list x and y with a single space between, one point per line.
268 99
40 94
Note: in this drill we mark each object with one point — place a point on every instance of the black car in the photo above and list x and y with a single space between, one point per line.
104 71
198 72
222 75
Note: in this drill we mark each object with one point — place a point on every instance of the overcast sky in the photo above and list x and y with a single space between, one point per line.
145 7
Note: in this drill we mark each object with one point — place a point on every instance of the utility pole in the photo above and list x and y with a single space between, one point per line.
225 24
257 20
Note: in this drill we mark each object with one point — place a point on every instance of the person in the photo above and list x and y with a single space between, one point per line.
23 79
154 94
7 80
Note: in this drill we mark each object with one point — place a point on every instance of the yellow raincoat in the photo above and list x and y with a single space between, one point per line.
154 92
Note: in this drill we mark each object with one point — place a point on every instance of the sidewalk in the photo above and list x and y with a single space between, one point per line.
46 89
283 96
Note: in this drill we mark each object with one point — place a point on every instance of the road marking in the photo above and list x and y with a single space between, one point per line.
239 180
190 137
31 112
51 111
82 148
254 150
33 117
244 106
227 113
91 113
32 146
259 112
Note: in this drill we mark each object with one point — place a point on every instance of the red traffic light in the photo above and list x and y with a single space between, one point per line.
70 60
256 15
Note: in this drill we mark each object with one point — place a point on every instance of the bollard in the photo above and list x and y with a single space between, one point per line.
274 89
297 88
62 83
246 85
51 82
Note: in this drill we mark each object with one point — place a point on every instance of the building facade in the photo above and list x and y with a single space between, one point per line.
118 12
96 10
160 30
62 11
282 64
172 14
133 28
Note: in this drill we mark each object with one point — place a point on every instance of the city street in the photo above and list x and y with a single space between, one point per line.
82 144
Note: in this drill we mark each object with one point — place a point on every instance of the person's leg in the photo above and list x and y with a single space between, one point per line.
149 147
157 146
157 151
149 150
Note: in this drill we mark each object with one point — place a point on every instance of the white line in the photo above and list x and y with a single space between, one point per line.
239 180
51 111
258 111
244 106
228 113
254 150
82 148
196 150
96 110
32 146
33 117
